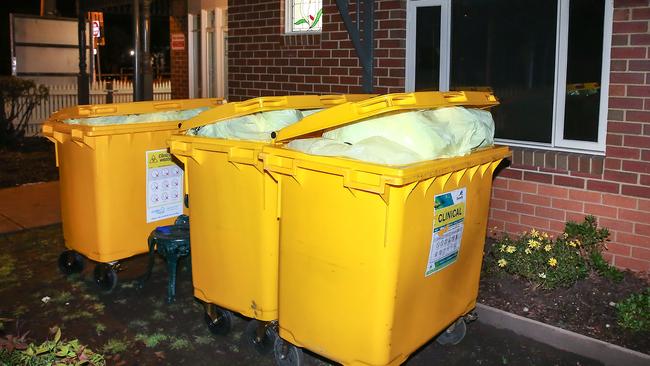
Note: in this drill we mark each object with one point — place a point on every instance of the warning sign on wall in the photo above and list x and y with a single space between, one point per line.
178 42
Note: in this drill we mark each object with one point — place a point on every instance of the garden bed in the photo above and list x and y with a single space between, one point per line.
588 307
31 160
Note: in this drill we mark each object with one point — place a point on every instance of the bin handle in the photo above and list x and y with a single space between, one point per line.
167 105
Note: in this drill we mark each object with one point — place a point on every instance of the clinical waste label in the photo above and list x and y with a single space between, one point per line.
448 222
164 186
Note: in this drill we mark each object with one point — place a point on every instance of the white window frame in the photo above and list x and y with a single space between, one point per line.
558 142
288 18
445 41
191 46
219 29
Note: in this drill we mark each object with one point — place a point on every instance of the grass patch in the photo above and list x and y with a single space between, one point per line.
62 297
78 315
99 328
180 344
114 346
151 340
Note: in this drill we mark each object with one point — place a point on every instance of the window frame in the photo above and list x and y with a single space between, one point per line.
558 142
288 18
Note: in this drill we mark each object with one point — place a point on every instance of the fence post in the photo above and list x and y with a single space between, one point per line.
109 92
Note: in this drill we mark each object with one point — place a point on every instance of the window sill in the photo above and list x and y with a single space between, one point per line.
558 162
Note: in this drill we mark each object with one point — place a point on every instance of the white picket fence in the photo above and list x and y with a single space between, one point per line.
63 96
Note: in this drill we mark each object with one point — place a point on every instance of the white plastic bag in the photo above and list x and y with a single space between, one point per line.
138 118
257 127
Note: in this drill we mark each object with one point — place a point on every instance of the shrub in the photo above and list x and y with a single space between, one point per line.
18 98
633 313
549 262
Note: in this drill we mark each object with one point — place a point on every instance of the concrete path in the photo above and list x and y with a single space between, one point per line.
29 206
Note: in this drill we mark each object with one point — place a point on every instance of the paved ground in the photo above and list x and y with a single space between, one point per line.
136 327
29 206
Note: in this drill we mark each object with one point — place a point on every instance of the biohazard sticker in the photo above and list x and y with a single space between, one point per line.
448 222
164 186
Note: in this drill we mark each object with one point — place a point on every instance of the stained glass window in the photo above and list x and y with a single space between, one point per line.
304 16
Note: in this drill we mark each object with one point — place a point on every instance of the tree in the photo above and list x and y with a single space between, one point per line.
18 97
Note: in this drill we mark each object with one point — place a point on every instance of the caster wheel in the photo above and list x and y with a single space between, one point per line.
219 320
454 334
260 336
70 262
105 277
286 354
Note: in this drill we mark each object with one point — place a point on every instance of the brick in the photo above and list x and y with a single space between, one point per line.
631 263
638 91
552 191
615 115
574 216
619 249
644 180
644 205
549 213
522 186
557 226
514 228
641 253
642 229
601 186
634 215
639 65
632 239
505 216
636 191
585 196
520 208
497 204
637 141
535 222
630 3
600 210
569 205
621 14
623 127
506 195
617 200
616 224
536 199
619 176
640 39
620 40
623 152
538 177
630 27
628 52
497 225
625 103
627 78
637 116
500 183
636 166
562 180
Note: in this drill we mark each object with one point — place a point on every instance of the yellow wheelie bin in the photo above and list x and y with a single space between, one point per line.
117 179
233 205
376 260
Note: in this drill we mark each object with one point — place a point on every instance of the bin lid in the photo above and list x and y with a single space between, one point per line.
264 104
354 111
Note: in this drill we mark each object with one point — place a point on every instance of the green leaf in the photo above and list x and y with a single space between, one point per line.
300 21
57 337
318 15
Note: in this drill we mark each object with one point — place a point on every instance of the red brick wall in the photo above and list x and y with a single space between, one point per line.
179 64
544 189
265 61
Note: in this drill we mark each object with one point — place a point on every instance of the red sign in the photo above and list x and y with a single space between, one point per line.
178 42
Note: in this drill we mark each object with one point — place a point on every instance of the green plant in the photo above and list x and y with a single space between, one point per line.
114 346
633 313
605 269
151 340
555 262
54 352
179 344
18 98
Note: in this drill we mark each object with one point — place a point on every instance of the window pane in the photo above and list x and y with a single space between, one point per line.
509 46
584 66
306 15
427 48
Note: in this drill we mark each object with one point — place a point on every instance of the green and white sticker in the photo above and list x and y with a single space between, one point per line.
448 223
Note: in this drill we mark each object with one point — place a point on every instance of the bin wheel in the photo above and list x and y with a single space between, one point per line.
454 334
105 276
219 320
70 262
286 354
260 336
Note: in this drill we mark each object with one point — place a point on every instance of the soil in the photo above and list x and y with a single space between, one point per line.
586 307
29 161
135 326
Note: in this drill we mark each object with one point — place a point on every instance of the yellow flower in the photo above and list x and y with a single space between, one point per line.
578 242
565 235
527 251
572 243
547 247
511 249
552 262
502 262
503 247
542 275
545 235
533 244
534 233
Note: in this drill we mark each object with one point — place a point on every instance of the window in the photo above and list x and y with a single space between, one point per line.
547 62
303 16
